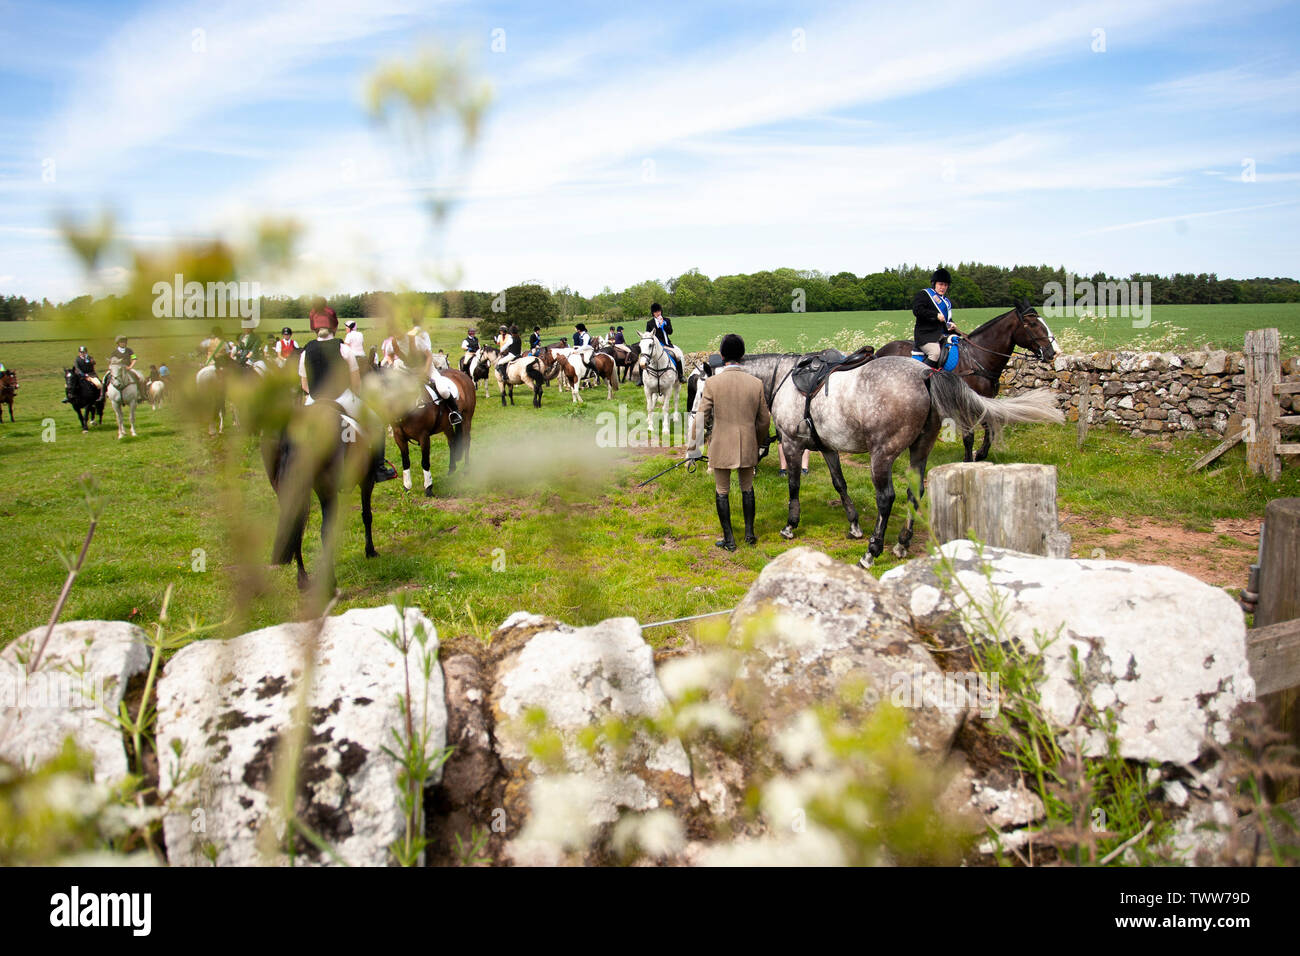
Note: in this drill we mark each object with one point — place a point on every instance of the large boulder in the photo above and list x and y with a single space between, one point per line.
82 674
815 633
1162 650
228 706
551 700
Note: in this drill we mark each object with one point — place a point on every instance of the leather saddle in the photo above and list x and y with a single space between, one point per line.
814 371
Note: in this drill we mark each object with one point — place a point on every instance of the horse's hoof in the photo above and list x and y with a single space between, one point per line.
428 491
371 553
899 551
787 532
304 582
865 561
855 532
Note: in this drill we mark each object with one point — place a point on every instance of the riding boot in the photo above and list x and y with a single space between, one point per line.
379 468
747 506
453 414
728 542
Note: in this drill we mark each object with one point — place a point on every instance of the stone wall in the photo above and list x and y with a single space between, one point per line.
1150 392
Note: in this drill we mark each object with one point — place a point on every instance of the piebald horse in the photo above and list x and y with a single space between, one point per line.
420 418
660 380
986 352
881 408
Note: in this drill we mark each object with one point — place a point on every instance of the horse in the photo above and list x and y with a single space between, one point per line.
659 379
8 388
985 352
155 393
315 450
882 407
420 418
480 367
82 394
520 371
123 387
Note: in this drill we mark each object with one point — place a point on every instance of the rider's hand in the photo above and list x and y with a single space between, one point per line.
694 454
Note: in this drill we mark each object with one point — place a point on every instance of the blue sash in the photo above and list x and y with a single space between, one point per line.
941 303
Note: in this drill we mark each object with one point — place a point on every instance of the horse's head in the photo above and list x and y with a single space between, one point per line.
1032 332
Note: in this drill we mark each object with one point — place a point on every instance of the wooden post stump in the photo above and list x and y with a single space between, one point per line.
1279 601
1263 356
1004 506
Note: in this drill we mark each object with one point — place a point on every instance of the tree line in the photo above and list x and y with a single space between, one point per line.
975 285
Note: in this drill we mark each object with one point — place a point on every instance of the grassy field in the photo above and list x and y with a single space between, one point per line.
1222 326
546 521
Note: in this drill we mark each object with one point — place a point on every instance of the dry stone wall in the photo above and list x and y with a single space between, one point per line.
1149 392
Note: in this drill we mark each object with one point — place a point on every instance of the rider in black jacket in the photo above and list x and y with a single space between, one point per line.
933 312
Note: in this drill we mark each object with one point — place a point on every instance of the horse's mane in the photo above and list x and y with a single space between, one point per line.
999 317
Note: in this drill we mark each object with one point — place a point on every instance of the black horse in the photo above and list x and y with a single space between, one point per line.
86 400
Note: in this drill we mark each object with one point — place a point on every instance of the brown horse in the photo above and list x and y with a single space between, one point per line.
8 388
984 354
427 419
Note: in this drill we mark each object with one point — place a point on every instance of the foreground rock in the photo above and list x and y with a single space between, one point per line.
228 705
1164 651
551 700
813 636
82 674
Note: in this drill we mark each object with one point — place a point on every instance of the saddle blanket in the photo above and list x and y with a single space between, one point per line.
949 355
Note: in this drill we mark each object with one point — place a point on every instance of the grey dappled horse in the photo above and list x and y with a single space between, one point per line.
881 408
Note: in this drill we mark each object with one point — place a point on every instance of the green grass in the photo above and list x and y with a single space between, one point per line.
1221 326
576 538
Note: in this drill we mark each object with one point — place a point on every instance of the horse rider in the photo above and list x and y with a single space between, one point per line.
735 402
84 364
509 347
535 341
124 357
285 345
354 339
247 348
213 344
444 389
580 336
329 372
661 328
469 345
933 311
618 336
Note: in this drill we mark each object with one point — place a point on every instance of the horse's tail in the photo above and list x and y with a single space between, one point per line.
535 373
292 487
953 398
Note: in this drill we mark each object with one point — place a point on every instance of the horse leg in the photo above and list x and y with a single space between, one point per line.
968 443
367 517
882 476
406 460
983 453
842 486
919 454
424 463
793 452
133 404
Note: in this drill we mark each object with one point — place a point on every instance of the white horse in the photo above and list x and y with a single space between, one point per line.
659 379
155 395
123 387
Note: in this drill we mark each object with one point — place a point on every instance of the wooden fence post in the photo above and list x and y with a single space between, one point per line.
1263 355
1279 602
1004 506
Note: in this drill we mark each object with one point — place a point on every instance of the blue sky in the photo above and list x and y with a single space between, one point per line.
636 141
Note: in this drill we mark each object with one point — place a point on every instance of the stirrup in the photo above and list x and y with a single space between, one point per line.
455 417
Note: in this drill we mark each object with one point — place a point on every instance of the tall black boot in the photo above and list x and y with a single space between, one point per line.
453 413
379 468
747 506
728 542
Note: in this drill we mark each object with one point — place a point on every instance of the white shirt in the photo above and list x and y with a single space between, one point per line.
420 341
356 342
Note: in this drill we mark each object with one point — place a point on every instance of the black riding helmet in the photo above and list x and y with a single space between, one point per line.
940 275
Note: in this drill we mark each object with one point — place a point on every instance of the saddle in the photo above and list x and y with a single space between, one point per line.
949 354
812 372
